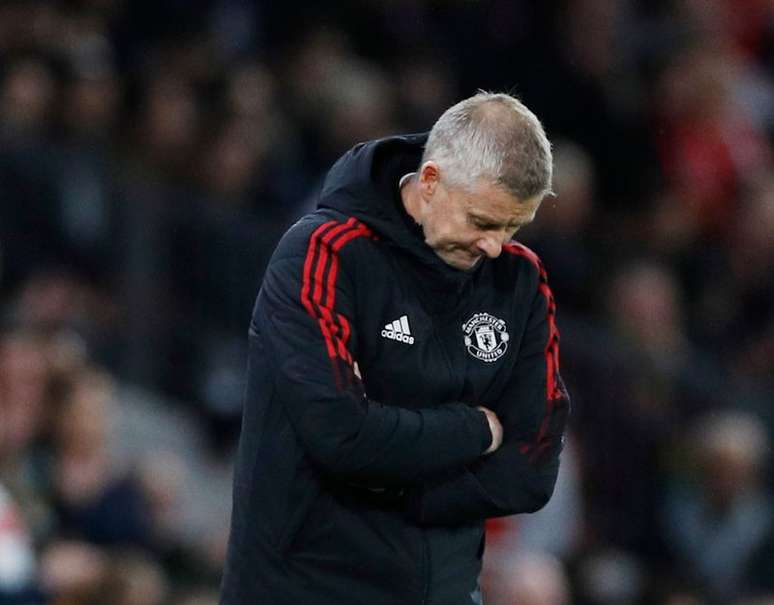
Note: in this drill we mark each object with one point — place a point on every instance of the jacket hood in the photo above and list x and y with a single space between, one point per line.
364 183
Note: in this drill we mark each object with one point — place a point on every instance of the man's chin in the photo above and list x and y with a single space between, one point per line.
462 264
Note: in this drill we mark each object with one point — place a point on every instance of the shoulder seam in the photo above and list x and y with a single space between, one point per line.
516 249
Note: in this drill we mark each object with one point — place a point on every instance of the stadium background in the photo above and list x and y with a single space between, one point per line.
152 153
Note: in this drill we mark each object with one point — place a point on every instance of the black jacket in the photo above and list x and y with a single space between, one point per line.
374 491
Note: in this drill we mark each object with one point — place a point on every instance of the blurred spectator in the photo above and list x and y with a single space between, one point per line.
96 500
734 291
752 262
24 372
426 88
717 516
527 579
161 476
25 375
26 100
234 162
73 572
91 103
168 126
560 233
79 318
17 558
646 311
610 577
633 385
57 300
710 147
134 579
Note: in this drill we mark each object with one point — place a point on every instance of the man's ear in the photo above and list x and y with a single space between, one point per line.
429 175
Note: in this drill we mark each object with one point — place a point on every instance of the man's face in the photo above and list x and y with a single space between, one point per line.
463 227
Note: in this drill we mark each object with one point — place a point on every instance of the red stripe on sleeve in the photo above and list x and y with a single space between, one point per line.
334 327
330 298
325 309
323 259
553 389
310 253
554 392
306 284
345 331
325 328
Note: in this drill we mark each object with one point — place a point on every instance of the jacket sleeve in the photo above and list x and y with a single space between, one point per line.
520 476
305 320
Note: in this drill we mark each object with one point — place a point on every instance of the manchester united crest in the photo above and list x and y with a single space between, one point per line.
485 337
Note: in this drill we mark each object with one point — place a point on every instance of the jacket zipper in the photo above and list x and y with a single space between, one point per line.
447 361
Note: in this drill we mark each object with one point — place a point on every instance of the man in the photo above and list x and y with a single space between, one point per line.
403 379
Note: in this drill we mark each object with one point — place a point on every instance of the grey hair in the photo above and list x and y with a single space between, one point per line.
492 136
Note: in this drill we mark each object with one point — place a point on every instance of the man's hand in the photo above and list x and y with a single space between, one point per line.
494 427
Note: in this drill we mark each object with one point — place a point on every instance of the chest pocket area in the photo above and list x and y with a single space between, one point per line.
406 363
492 341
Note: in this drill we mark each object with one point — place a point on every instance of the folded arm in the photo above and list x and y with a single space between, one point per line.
520 476
305 319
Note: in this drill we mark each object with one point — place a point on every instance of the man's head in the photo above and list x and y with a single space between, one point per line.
486 167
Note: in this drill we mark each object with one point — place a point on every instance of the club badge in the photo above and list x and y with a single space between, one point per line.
485 337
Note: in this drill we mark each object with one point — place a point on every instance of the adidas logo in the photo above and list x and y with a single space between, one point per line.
399 330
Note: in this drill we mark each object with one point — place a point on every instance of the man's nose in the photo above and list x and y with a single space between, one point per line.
491 246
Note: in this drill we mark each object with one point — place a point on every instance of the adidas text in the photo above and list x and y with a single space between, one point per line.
399 330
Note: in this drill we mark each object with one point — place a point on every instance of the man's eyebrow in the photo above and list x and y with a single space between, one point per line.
484 218
488 219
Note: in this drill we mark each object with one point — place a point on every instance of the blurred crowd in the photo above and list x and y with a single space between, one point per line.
153 152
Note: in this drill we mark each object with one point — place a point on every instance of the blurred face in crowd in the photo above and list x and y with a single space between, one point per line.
462 227
729 471
24 374
527 579
27 94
